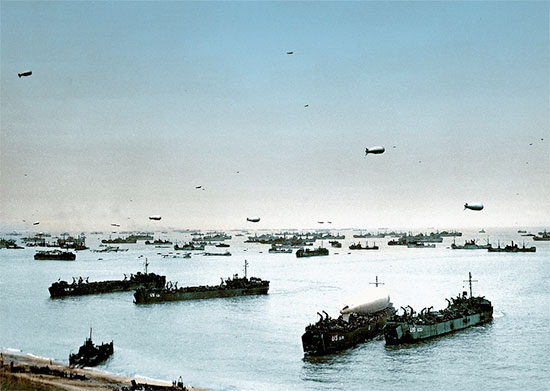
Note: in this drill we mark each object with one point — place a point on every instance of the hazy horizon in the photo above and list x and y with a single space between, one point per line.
132 105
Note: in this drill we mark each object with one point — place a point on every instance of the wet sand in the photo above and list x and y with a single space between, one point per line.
24 372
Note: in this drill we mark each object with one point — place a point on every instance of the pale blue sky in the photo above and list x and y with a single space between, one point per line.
143 101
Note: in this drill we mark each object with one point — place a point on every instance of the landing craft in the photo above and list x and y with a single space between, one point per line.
27 73
115 225
36 223
473 206
289 52
198 187
253 219
375 150
155 217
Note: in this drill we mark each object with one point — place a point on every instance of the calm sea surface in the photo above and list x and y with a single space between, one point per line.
253 343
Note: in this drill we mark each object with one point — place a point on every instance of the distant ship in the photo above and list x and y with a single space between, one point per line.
304 253
357 246
158 242
278 249
420 245
225 254
90 355
544 236
83 287
230 287
481 231
461 312
189 247
128 240
335 244
512 248
357 323
55 255
470 245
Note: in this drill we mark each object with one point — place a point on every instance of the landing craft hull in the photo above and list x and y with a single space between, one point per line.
404 332
318 343
111 286
148 297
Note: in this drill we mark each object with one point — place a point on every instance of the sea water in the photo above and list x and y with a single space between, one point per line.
254 343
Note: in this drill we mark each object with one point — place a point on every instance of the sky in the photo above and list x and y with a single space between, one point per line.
132 105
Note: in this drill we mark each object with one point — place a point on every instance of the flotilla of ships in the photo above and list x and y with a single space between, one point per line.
365 316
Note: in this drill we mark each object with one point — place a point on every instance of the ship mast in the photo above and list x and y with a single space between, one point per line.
245 267
470 281
146 264
376 283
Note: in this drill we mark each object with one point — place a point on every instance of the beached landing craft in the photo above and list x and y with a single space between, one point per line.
230 287
90 355
363 318
461 312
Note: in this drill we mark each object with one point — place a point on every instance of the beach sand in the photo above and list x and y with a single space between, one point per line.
25 372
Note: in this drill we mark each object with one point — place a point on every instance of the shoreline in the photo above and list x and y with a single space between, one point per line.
21 371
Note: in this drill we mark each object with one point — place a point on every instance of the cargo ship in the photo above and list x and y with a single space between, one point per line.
358 246
461 312
90 355
236 286
362 319
470 245
83 287
55 255
304 253
512 248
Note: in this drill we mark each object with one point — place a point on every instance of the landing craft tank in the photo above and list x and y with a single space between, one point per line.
361 319
83 287
90 355
236 286
462 312
155 217
253 219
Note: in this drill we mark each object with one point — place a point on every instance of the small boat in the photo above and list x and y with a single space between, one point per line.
420 245
335 244
225 254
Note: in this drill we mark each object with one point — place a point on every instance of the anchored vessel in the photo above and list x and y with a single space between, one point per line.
301 253
90 355
471 245
357 246
235 286
83 287
544 236
55 255
512 248
461 312
356 324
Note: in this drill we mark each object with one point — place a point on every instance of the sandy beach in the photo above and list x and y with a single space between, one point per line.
25 372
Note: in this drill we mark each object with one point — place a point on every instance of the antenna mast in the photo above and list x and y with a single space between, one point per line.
245 267
376 283
470 281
